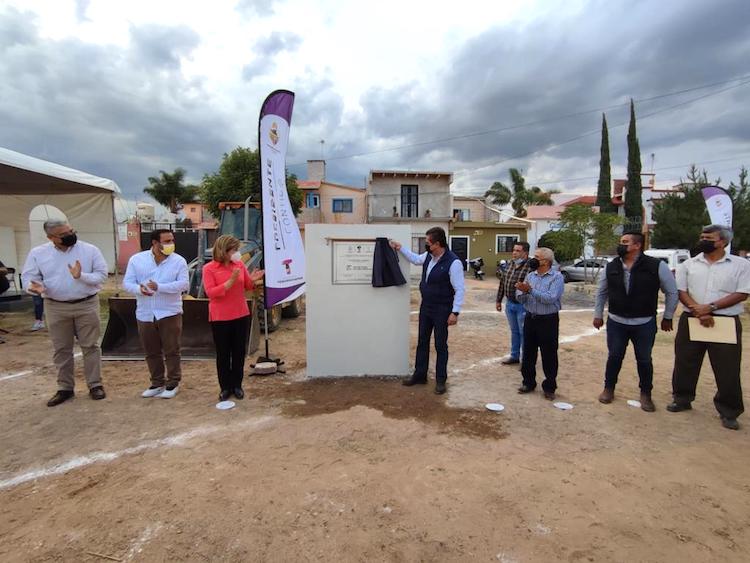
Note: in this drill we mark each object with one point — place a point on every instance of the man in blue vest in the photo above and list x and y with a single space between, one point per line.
631 283
442 289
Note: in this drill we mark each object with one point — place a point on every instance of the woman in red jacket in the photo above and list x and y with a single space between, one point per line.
226 279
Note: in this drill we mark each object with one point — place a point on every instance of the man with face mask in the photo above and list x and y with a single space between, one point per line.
158 277
69 273
711 284
631 283
541 294
442 289
514 310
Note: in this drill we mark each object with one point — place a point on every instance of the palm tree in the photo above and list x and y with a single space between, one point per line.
170 190
519 197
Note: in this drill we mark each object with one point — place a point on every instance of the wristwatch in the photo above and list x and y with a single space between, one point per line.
713 306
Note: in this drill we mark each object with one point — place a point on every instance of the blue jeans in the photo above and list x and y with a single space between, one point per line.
642 337
38 307
516 314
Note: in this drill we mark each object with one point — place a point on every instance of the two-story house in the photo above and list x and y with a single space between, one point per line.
419 199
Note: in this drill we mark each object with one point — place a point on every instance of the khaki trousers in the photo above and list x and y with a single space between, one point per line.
161 341
65 323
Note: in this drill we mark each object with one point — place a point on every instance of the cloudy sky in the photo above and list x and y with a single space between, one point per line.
125 89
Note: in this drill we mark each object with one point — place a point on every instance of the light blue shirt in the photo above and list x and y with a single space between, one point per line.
666 282
456 274
545 296
171 277
48 265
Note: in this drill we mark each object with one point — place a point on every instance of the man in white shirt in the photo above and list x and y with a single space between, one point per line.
69 273
712 284
158 277
442 289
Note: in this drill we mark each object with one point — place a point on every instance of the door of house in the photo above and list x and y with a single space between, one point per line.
460 247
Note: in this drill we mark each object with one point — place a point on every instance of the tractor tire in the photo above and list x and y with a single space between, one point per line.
293 309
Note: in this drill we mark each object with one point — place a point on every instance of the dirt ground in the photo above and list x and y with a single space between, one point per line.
366 469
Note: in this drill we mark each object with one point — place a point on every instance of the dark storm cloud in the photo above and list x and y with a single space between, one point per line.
264 51
118 113
601 56
163 46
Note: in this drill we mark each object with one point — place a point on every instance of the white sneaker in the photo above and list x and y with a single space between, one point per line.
38 325
169 393
152 392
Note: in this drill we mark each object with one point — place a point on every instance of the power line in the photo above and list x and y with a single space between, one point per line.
541 121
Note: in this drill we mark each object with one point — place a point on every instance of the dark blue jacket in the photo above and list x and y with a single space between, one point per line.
437 289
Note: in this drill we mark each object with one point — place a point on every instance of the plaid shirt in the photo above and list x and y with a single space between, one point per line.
516 273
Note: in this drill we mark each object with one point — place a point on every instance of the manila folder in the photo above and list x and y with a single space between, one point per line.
723 331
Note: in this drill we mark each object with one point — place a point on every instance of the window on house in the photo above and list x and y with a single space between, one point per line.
504 243
417 244
312 201
343 205
192 210
409 201
462 214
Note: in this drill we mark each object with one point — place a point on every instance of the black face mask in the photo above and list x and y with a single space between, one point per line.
622 250
69 240
427 248
706 246
533 263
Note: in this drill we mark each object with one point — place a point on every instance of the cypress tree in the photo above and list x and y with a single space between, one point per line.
633 203
604 189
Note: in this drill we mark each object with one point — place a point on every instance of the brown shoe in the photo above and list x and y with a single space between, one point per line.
60 397
607 396
549 395
510 361
646 403
97 393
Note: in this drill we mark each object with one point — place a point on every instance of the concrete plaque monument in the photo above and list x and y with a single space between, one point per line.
352 327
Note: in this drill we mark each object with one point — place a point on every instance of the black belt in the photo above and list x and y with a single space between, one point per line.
545 316
74 300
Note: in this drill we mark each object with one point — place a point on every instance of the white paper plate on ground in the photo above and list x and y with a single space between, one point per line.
495 407
563 406
225 405
634 403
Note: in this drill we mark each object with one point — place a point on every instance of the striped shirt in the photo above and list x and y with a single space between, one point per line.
171 277
514 274
545 296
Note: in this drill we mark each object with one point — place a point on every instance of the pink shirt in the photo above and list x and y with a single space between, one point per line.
223 304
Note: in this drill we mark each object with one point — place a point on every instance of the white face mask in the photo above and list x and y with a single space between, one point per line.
236 257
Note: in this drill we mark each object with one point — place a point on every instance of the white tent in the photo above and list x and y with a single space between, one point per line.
27 182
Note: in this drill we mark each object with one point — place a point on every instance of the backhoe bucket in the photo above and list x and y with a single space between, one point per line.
121 341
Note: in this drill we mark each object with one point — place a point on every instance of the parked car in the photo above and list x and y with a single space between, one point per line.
673 257
586 269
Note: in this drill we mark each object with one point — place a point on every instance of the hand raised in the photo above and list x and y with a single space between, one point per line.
256 275
394 245
75 269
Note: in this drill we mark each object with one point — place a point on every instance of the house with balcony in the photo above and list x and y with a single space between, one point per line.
420 199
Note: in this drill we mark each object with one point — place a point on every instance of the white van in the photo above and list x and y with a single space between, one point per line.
673 257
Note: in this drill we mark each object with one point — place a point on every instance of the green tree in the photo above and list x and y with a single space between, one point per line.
565 244
680 216
740 194
498 194
170 189
239 177
519 196
599 230
633 203
604 187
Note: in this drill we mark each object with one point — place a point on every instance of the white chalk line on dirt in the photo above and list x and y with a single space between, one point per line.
146 536
98 457
28 371
564 340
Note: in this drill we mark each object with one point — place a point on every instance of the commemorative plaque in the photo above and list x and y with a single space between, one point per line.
352 262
